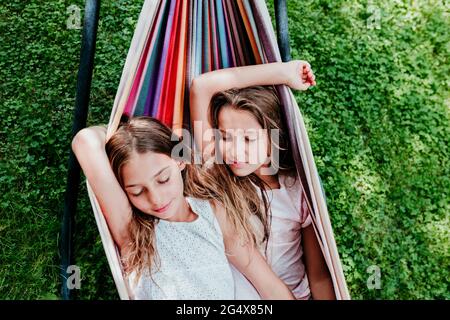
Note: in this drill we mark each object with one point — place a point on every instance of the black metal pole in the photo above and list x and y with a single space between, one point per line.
281 18
91 15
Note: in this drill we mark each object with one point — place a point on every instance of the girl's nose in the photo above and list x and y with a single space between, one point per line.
153 198
236 149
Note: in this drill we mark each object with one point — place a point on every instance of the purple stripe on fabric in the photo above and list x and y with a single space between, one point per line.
154 101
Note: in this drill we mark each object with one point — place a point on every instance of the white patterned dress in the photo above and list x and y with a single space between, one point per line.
193 265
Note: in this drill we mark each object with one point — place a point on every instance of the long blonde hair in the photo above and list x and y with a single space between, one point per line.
146 134
263 104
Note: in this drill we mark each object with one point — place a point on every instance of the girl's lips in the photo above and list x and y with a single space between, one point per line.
162 209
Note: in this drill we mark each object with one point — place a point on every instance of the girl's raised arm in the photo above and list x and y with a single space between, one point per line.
89 148
296 74
249 261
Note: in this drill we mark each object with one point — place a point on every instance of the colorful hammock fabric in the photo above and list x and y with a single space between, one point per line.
177 40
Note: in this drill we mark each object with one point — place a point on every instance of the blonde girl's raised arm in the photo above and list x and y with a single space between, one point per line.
297 74
249 261
89 148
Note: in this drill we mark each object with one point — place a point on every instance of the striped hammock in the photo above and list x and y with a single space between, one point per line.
177 40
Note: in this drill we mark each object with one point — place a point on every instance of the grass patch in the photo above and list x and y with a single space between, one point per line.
378 122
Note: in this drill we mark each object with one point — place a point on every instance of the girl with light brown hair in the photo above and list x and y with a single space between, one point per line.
177 225
246 114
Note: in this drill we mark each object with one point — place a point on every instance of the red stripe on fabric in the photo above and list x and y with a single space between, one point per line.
165 106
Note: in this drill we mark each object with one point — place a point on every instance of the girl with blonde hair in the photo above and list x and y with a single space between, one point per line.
177 228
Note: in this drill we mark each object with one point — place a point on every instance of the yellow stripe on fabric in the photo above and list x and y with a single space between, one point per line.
251 36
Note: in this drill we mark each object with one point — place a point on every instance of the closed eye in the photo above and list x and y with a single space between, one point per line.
225 135
164 181
137 194
226 138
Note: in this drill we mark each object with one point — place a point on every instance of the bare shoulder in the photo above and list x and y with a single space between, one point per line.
221 215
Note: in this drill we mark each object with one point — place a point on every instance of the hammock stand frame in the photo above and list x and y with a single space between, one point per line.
84 80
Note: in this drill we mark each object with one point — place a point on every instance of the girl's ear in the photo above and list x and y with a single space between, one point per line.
181 165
